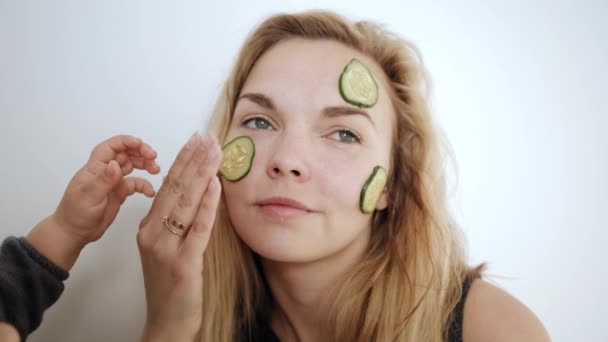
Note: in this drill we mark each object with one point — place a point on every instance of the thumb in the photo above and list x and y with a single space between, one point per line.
105 181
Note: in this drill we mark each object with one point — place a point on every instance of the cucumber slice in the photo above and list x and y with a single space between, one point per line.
372 190
357 85
238 157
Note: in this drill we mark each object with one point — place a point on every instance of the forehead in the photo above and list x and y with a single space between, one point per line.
305 73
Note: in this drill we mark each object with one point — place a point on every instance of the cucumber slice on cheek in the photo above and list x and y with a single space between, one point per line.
357 85
372 190
238 157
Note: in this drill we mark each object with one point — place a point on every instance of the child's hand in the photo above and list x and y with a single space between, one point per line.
94 195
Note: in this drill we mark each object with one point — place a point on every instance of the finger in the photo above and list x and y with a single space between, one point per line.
196 241
202 168
144 150
151 166
124 142
130 185
130 145
108 149
103 182
127 168
140 163
148 152
173 184
145 164
122 158
195 179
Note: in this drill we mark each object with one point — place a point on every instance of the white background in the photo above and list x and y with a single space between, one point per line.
520 89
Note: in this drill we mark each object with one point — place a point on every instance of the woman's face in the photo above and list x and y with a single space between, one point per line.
311 147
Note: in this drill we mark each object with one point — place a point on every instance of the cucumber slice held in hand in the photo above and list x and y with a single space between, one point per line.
372 190
357 85
238 157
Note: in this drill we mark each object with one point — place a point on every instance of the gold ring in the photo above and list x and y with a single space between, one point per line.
175 227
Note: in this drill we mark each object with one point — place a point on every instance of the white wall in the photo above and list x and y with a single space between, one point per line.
519 89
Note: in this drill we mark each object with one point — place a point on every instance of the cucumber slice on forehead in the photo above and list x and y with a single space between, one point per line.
372 190
238 157
357 85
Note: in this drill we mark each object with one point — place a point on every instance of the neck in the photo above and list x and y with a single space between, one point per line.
298 290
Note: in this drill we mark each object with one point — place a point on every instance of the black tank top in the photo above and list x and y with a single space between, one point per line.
455 327
265 334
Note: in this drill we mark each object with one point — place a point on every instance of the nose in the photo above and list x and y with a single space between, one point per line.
288 160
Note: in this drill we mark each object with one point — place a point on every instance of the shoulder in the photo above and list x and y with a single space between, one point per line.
491 314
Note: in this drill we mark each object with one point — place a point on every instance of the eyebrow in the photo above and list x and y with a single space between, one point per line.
330 112
259 99
335 111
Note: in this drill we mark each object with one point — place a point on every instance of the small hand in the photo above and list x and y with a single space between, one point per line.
95 193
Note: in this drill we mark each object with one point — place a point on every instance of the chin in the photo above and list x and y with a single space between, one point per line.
293 239
281 244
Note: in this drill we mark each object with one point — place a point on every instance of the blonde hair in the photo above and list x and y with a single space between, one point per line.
411 279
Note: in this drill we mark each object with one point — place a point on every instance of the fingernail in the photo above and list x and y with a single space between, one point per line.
194 141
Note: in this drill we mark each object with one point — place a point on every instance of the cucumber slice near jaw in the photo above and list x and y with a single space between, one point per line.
238 157
372 190
357 85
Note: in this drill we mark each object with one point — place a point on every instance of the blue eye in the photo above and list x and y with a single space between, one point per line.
258 123
345 136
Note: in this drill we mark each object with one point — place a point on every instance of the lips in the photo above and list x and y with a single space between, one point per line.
283 202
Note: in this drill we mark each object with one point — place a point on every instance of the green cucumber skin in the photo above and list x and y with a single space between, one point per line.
370 179
250 159
345 97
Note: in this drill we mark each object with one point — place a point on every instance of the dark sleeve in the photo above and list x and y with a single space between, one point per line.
29 284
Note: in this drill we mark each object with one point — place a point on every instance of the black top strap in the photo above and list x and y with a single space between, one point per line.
455 329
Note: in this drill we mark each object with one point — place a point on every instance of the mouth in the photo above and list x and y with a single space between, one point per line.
283 207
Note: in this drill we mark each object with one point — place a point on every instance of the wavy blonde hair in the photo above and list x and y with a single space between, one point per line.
411 279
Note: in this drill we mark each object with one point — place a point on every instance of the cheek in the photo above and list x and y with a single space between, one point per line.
234 202
340 192
243 193
340 183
